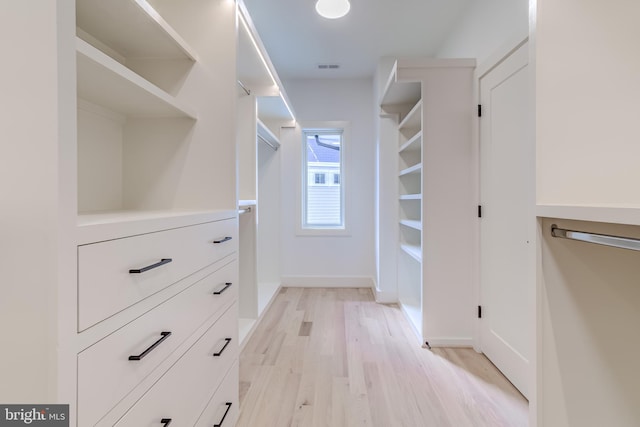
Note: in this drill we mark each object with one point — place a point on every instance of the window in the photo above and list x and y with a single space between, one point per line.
323 199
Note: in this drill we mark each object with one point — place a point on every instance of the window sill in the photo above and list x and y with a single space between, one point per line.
323 232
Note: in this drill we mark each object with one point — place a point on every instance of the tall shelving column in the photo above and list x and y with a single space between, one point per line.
431 100
262 109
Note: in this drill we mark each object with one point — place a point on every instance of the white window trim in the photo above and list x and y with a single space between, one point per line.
344 172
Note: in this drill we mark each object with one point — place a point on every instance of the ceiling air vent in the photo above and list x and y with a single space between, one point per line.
328 66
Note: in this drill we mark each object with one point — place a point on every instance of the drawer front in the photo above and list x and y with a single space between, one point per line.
107 277
224 406
105 373
183 392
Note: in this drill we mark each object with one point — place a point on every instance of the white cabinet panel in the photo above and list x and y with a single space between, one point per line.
224 406
183 392
106 284
105 373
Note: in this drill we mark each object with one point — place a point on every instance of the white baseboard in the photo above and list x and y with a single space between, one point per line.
327 282
385 297
451 342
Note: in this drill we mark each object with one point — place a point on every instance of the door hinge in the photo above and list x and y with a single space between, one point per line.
479 110
479 312
479 211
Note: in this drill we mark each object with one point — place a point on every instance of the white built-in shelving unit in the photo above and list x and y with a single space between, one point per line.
430 102
142 260
263 108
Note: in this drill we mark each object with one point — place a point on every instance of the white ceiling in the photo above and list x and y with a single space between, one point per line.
297 39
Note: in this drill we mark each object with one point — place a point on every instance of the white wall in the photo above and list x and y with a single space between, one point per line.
485 27
349 257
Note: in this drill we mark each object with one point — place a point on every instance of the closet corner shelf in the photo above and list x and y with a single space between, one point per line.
411 196
416 225
141 31
413 119
397 92
100 226
616 214
413 251
413 144
413 169
104 81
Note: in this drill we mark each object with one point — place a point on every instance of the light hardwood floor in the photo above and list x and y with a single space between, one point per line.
333 357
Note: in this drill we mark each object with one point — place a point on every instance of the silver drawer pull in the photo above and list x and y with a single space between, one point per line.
163 261
219 353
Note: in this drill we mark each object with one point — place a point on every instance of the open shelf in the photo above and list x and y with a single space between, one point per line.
413 119
413 169
617 214
413 144
139 31
411 197
106 82
403 93
412 250
416 225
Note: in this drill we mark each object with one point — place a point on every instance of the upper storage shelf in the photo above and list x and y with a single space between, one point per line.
617 214
257 75
397 92
132 28
106 82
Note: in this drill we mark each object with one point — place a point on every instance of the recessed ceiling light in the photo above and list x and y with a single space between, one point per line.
333 9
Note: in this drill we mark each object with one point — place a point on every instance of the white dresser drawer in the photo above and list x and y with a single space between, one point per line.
224 406
183 392
105 373
107 277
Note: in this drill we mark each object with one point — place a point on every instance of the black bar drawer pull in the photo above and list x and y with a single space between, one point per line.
224 416
165 335
165 422
163 261
220 289
218 353
226 239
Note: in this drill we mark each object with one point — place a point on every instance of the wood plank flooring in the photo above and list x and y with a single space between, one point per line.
333 357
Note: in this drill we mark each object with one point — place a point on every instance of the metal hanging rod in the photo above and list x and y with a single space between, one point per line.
599 239
244 210
263 139
244 88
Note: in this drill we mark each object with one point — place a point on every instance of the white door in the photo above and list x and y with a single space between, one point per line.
506 193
